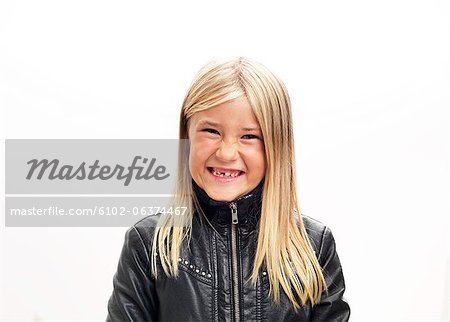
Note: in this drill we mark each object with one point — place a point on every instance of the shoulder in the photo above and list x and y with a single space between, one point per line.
313 227
320 235
143 230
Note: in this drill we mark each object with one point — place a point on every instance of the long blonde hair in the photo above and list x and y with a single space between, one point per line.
283 244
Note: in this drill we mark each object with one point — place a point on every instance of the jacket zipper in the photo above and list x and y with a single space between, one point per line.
235 278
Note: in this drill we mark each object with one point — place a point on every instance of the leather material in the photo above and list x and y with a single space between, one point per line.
203 290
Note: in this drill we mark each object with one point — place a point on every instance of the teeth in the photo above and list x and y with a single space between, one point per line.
225 174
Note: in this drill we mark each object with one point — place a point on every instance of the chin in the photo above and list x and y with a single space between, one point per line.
220 196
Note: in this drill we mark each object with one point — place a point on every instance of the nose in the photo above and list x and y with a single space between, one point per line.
228 151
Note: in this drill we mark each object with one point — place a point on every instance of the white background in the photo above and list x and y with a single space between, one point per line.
370 89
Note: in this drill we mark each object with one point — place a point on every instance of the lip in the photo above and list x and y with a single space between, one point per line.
225 179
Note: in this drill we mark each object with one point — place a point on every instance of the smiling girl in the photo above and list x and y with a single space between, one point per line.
243 251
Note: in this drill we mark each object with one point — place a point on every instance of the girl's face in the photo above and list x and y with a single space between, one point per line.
227 157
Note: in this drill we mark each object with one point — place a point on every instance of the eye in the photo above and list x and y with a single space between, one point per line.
251 136
210 131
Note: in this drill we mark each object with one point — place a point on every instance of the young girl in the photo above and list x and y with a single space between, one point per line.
243 251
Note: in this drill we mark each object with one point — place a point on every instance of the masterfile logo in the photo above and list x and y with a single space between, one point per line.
55 171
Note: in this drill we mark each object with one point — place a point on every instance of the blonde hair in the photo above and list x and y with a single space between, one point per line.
283 244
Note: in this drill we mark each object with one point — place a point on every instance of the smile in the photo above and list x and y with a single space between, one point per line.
225 175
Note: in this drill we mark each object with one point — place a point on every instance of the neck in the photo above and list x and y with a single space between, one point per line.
218 213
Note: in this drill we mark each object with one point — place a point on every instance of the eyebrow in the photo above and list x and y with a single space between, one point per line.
211 123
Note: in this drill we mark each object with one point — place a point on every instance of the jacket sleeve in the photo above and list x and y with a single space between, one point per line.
134 297
333 307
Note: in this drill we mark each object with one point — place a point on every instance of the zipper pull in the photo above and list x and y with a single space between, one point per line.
234 217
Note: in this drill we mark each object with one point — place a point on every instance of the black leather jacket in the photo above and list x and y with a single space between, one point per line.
211 283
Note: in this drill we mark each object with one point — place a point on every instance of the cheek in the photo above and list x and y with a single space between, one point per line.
203 146
257 158
195 164
198 155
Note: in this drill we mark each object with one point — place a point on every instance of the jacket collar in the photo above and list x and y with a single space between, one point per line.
219 212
